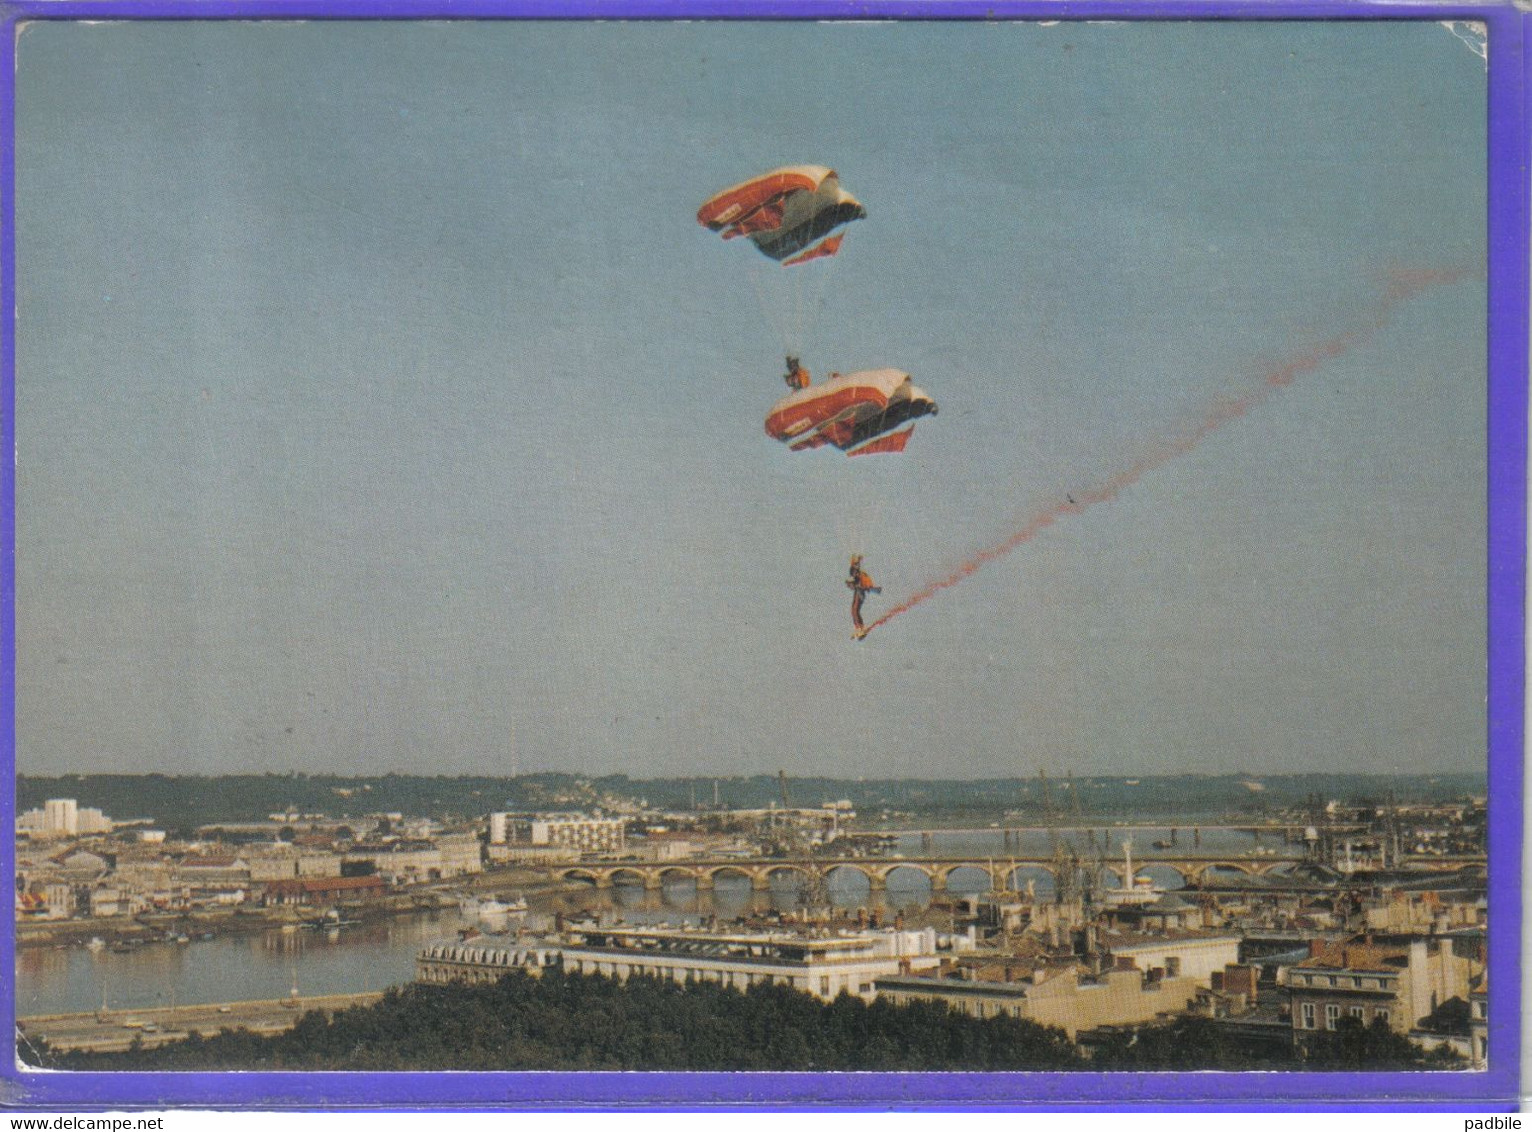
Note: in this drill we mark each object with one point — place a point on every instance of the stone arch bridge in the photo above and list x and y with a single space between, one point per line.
937 870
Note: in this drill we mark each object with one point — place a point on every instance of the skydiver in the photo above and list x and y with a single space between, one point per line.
797 376
861 585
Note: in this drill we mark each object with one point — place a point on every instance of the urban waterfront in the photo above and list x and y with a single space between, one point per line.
269 964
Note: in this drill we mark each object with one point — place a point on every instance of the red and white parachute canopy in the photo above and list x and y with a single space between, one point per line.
871 411
788 213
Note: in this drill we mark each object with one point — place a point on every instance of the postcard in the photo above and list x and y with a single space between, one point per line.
658 559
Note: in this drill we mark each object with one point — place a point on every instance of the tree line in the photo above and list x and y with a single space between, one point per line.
184 802
566 1021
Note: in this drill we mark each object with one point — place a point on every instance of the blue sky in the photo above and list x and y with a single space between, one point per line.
381 406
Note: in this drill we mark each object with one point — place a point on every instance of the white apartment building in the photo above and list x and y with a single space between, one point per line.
579 832
499 828
822 966
63 817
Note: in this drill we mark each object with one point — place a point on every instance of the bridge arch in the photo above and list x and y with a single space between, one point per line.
770 871
1211 870
942 880
848 870
1044 881
1280 868
1268 866
708 877
593 876
882 874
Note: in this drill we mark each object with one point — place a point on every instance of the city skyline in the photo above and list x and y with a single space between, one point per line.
391 412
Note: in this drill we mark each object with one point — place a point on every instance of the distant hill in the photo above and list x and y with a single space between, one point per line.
186 801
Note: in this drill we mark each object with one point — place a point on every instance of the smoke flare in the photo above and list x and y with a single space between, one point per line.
1402 286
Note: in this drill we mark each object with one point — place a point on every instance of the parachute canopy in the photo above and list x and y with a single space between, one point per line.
786 213
858 413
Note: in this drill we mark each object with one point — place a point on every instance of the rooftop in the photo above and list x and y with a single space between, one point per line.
1128 940
1355 955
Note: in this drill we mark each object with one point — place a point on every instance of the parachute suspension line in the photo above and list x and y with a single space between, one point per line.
816 289
798 315
789 214
772 312
806 288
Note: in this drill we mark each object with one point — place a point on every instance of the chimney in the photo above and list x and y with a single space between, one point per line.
1315 947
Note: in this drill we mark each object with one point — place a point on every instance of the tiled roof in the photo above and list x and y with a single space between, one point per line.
1356 955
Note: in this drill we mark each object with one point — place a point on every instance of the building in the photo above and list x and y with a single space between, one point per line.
580 833
1068 997
116 900
820 965
46 900
1167 912
661 847
518 853
1189 954
1400 983
478 961
63 817
462 854
1478 1024
311 891
499 828
212 879
283 861
824 966
416 861
1415 908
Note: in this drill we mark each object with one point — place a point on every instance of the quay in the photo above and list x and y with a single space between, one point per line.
115 1030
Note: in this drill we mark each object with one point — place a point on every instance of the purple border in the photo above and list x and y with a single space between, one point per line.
1496 1090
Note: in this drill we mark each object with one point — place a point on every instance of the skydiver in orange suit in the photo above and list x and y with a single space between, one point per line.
797 376
861 585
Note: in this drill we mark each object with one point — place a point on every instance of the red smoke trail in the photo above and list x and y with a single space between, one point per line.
1403 285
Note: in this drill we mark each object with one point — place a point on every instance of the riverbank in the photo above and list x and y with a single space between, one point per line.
126 932
120 932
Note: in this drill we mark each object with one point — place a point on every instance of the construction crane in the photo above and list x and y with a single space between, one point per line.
794 842
1093 861
1066 862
